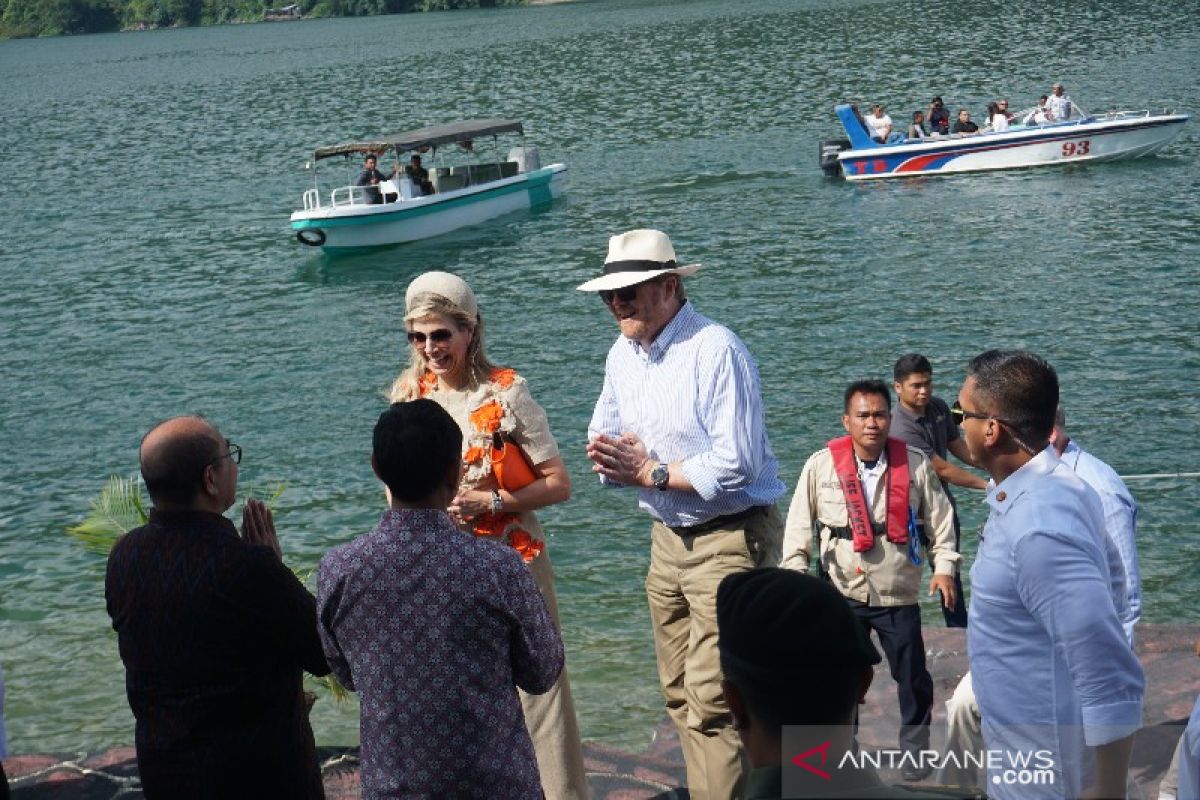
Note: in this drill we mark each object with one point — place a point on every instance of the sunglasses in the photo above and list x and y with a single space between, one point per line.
624 294
440 336
960 415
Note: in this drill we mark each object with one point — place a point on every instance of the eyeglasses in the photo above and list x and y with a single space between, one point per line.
625 294
440 336
234 454
960 414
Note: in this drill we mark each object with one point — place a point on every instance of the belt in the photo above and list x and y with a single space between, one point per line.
716 523
847 533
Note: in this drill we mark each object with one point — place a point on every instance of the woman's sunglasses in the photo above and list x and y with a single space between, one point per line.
440 336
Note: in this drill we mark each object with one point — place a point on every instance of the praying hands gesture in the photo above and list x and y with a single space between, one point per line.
258 525
622 459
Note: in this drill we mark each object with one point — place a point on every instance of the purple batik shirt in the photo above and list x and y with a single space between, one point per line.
434 629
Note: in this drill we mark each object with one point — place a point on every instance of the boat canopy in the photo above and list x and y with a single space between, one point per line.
429 136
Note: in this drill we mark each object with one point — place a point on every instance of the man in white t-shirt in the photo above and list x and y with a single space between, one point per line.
1058 105
879 123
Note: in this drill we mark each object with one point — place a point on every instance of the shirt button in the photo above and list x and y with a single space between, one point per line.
1002 497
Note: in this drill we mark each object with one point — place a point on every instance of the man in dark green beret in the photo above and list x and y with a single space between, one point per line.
794 654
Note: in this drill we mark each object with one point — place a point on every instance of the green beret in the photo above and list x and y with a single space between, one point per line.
778 623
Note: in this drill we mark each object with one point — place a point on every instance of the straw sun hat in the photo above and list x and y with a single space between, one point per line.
635 257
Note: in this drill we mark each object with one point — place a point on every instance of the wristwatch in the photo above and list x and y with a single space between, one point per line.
660 475
497 502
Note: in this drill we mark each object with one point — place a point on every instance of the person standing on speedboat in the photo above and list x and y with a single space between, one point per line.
1058 105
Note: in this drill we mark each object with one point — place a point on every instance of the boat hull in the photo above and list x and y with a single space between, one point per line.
359 226
1072 142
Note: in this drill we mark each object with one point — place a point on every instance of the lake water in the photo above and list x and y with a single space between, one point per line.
147 269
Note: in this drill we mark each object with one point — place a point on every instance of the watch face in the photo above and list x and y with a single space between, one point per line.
660 475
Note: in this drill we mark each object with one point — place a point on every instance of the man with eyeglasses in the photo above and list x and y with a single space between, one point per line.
875 501
213 630
680 417
1052 670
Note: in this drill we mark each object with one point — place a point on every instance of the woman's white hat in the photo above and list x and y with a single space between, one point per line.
635 257
449 286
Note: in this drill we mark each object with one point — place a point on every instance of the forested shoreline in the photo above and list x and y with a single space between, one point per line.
28 18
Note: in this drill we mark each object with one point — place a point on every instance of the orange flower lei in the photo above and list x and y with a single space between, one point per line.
486 420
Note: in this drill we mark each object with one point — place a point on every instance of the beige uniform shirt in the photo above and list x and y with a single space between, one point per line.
883 575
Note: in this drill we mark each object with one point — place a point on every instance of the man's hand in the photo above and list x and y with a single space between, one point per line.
623 460
945 585
258 525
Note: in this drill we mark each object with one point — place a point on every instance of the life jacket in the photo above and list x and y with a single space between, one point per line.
898 479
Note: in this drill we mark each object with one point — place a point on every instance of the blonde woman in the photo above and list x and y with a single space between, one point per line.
447 364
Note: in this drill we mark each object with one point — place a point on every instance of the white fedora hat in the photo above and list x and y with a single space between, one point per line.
635 257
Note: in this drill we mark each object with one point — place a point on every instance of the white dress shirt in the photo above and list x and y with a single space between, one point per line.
1050 665
1120 523
692 397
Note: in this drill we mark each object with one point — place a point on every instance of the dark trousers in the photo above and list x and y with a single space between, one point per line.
899 632
958 617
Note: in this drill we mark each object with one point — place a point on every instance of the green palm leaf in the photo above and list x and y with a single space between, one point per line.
119 509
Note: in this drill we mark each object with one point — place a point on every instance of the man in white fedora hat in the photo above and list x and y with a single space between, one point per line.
680 417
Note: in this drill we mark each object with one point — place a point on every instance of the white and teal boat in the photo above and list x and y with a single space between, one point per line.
342 215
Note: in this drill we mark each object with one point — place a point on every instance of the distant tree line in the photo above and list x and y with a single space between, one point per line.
24 18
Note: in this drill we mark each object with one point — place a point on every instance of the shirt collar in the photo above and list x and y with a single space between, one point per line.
880 463
670 333
1001 497
910 414
1070 455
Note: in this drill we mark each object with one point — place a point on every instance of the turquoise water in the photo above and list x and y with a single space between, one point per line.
147 270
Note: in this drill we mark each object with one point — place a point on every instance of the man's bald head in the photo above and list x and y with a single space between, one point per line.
173 456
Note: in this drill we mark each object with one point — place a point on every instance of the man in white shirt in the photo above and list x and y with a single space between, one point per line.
1052 671
879 123
1058 105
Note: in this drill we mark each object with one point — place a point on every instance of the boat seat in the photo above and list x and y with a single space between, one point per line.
448 182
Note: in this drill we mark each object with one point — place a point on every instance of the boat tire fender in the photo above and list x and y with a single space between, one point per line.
313 237
829 155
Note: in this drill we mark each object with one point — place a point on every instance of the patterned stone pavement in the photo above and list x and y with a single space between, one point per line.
1173 683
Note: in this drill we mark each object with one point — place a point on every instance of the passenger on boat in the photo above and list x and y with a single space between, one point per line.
939 117
418 175
1038 116
917 129
1058 105
963 124
879 123
370 178
997 117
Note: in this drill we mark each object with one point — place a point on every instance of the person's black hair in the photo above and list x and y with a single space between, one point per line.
867 386
910 364
174 471
917 114
937 100
1021 389
415 444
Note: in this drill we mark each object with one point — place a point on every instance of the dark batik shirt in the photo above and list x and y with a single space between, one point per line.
214 633
435 628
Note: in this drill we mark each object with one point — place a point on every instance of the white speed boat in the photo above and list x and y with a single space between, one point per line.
1080 138
344 216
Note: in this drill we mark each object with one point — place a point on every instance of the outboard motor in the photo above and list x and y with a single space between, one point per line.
528 158
829 155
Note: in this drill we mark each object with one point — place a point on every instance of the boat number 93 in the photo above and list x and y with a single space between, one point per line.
1076 148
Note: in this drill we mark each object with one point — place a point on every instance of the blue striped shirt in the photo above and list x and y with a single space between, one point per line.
693 397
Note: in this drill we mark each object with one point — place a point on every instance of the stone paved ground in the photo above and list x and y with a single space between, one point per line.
1173 682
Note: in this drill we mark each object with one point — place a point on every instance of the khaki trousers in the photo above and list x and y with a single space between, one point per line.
681 588
550 717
